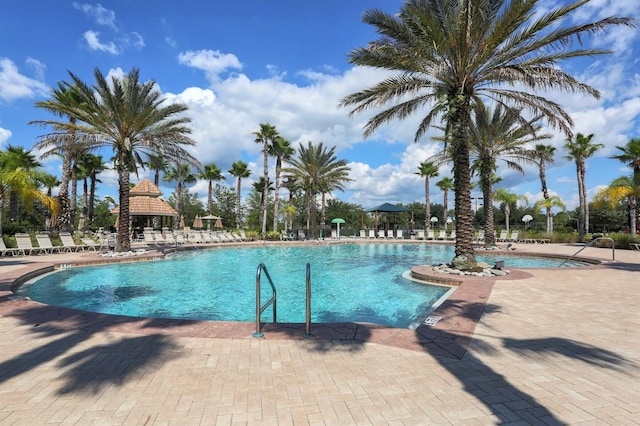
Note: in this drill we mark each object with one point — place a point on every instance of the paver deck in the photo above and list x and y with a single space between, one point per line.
557 346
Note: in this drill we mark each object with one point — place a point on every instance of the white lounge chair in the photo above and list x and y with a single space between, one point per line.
442 235
4 250
372 234
25 246
503 236
45 244
420 234
68 244
363 234
431 235
514 237
452 236
284 236
400 234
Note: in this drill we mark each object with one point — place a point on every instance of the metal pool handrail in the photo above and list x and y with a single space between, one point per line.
272 301
613 249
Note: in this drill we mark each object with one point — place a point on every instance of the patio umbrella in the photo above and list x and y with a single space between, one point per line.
212 217
197 222
337 221
218 223
181 224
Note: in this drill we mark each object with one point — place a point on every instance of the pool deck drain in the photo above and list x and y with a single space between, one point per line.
505 350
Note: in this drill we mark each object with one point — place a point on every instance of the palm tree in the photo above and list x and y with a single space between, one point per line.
427 170
158 164
266 134
129 117
579 149
447 55
543 154
22 183
445 184
240 170
507 199
630 155
292 186
18 157
620 188
282 150
548 204
182 174
499 135
49 181
211 173
90 166
318 171
65 141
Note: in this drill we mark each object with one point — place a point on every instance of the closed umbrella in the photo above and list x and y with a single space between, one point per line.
218 223
337 221
181 224
197 222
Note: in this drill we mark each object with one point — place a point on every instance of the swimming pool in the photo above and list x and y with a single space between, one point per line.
350 283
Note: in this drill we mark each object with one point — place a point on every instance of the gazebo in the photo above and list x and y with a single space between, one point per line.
144 200
386 208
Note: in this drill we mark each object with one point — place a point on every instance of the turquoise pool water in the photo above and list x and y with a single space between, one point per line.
350 283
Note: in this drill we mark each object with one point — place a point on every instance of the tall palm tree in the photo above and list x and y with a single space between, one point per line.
447 55
427 170
211 173
499 134
543 154
445 184
630 155
240 170
266 134
131 118
49 181
158 164
65 141
181 174
507 199
292 185
579 150
548 204
318 171
282 150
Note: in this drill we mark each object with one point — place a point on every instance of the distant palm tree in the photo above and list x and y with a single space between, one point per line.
579 150
129 117
548 204
621 188
211 173
158 164
318 171
543 154
49 181
90 166
182 175
427 170
507 199
445 184
19 157
282 150
266 134
446 55
630 155
499 134
240 170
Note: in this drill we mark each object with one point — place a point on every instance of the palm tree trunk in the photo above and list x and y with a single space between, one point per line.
489 226
427 210
92 197
276 196
123 243
265 190
238 218
210 197
462 178
74 194
582 200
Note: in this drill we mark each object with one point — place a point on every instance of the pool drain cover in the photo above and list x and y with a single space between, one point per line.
431 320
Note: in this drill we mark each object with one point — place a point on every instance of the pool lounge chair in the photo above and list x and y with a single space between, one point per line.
372 234
285 236
634 246
431 234
363 234
90 244
514 237
400 234
25 246
4 250
503 236
442 235
480 236
452 236
420 234
45 244
68 244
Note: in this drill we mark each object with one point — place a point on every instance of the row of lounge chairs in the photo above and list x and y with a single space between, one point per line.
152 237
25 246
400 234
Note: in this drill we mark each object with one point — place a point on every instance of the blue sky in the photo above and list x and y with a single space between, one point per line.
239 64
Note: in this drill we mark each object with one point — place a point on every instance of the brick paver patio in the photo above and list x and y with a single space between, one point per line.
546 346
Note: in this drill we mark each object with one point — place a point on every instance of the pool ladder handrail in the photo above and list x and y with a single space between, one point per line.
273 301
592 242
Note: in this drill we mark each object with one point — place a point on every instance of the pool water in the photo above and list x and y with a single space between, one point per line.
350 283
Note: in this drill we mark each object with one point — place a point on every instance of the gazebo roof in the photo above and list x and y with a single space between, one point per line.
145 200
145 187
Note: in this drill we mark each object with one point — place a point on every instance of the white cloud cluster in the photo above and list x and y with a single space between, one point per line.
107 18
14 85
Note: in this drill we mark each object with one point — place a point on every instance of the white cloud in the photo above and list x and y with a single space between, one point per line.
14 85
91 37
4 135
99 14
212 62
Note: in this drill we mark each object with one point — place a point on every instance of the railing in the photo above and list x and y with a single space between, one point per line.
592 242
307 328
259 308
